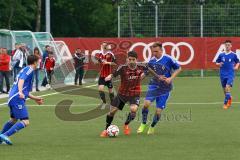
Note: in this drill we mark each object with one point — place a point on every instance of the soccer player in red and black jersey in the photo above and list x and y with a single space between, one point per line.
129 91
106 60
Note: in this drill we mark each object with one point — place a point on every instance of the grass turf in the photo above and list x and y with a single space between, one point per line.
189 129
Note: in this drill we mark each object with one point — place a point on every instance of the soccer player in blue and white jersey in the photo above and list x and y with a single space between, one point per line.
19 117
159 88
228 62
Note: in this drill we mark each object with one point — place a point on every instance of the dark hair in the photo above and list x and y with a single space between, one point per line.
36 49
157 44
47 46
228 41
50 52
132 54
31 59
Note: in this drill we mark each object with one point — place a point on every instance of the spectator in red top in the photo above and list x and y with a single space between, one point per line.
5 60
49 65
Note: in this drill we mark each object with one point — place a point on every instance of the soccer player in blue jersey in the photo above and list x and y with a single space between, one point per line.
228 62
158 90
16 102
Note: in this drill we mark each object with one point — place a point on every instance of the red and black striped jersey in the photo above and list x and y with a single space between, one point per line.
130 80
106 69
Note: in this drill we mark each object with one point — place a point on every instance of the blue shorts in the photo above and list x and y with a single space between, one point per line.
18 110
227 81
161 100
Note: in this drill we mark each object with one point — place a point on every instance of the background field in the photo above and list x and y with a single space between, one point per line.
194 126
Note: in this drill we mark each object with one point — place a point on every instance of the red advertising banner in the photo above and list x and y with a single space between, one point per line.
191 53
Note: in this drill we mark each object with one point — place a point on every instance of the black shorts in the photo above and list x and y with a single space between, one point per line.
101 81
119 101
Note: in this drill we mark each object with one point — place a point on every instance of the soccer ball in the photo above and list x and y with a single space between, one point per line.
113 131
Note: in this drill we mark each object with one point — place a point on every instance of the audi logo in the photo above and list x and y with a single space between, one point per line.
175 51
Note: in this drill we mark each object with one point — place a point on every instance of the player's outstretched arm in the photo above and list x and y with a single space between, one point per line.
38 100
174 75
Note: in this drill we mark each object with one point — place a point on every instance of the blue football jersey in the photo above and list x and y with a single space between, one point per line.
27 75
228 60
163 66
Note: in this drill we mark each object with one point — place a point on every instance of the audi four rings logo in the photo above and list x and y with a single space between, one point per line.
175 51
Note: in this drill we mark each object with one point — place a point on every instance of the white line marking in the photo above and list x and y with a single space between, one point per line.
50 94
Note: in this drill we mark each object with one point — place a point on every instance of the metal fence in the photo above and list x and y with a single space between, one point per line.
178 20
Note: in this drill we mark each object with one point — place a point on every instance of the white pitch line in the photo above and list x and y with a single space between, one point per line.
175 103
50 94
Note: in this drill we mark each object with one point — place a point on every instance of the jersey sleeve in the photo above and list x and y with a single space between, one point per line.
174 64
145 69
236 60
98 56
25 73
118 71
219 59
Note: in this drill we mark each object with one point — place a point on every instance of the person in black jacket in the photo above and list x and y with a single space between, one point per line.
79 58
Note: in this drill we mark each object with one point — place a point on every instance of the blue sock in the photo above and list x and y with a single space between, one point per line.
227 97
156 118
144 115
15 128
7 126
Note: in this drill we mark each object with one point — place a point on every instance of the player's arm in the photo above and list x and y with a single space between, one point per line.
114 61
143 75
148 69
236 60
115 74
219 62
20 88
38 100
174 75
236 66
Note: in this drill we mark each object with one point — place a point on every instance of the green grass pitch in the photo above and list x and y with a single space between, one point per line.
194 127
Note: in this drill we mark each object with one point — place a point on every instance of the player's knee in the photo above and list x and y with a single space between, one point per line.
13 120
113 111
146 104
26 122
228 88
101 88
158 111
134 108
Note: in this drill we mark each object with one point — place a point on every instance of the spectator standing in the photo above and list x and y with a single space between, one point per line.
5 60
79 58
49 65
44 56
36 52
18 60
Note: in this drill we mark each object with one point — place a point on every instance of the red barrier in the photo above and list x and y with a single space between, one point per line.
192 53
